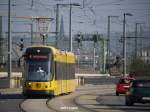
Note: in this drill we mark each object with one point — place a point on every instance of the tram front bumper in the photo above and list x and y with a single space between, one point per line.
38 92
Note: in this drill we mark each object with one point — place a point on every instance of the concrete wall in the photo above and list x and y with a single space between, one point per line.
14 82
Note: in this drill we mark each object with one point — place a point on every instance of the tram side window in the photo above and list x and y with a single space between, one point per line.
64 71
56 71
64 66
72 74
52 70
59 72
71 71
67 71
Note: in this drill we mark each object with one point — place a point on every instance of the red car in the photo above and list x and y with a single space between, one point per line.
123 85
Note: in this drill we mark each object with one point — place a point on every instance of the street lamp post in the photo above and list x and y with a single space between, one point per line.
124 42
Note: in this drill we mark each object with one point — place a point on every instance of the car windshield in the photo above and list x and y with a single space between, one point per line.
38 70
141 84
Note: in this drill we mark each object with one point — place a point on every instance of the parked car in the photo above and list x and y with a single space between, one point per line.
139 92
123 85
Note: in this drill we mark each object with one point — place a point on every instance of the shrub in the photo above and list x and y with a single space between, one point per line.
140 68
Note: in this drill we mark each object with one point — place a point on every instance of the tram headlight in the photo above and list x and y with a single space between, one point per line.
46 85
29 83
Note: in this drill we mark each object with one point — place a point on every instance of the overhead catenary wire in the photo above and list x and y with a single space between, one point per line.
90 11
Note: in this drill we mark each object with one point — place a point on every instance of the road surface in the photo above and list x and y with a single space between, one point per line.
98 96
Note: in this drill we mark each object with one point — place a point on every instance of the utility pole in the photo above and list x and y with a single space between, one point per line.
79 39
32 3
9 41
124 46
104 55
83 3
95 39
136 36
1 42
108 37
136 24
70 36
43 38
141 35
94 63
57 23
124 42
108 43
31 33
70 24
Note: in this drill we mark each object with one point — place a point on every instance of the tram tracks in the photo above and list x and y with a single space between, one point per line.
51 108
66 102
88 101
71 102
20 107
35 105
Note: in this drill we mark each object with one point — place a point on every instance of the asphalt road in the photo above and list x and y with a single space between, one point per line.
112 102
35 105
97 102
97 95
10 102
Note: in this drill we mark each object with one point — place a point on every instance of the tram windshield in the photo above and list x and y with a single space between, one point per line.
38 70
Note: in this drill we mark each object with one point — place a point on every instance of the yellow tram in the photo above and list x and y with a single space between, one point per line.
48 71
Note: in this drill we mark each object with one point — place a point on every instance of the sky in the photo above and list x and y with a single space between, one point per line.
90 17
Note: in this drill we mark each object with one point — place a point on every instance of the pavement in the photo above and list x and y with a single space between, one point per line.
10 98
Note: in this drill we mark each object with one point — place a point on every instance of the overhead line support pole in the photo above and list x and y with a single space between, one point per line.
9 41
108 43
57 23
124 45
70 37
124 42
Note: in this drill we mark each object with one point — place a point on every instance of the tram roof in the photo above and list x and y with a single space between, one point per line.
55 50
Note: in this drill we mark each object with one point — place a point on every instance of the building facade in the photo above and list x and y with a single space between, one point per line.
145 54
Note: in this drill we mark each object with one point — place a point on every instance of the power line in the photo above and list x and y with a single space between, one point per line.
107 3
